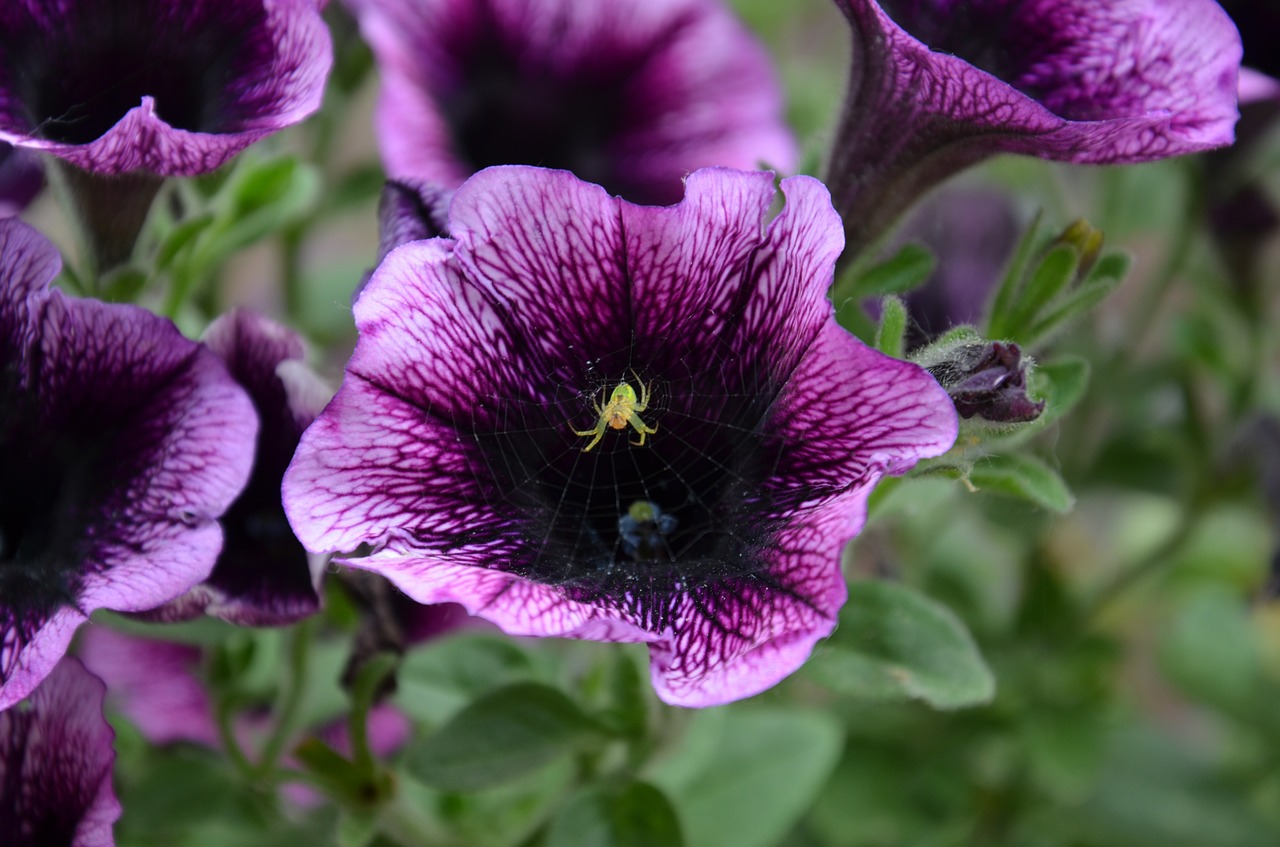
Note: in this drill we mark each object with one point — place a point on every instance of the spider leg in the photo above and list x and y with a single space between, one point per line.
599 434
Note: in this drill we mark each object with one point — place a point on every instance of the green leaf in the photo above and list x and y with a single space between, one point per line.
909 268
853 317
1060 383
1212 651
1072 306
749 783
501 736
179 237
122 285
634 815
1006 295
893 326
356 829
1023 476
438 679
1051 276
893 643
505 816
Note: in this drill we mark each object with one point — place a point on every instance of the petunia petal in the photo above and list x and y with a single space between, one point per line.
936 87
55 765
630 95
224 74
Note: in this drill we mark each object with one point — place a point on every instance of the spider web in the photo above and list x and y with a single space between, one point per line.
702 475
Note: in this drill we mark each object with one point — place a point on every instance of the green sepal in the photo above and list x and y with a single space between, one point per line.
892 331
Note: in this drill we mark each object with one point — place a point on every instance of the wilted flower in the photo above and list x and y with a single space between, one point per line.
264 576
629 94
986 379
122 443
55 765
460 453
169 88
938 85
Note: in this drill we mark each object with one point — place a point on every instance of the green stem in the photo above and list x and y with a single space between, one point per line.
1182 240
289 702
364 692
225 715
1187 523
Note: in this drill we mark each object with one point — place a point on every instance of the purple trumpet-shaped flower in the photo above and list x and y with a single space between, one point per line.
263 577
122 442
630 94
938 85
153 85
55 765
586 418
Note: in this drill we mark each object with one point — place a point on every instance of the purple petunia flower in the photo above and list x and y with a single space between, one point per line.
630 94
937 85
55 765
154 85
740 429
264 577
122 443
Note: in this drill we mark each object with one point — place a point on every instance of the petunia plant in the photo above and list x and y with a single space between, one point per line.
548 423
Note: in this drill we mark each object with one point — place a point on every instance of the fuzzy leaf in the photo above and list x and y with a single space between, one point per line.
1023 476
500 737
909 268
635 815
893 326
896 644
746 775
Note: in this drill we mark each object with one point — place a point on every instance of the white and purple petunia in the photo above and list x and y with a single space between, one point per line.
55 765
459 452
172 88
630 94
263 577
937 85
121 444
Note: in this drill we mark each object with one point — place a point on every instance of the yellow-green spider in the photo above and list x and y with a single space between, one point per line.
623 408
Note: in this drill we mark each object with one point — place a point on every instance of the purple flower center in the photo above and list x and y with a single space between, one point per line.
511 110
689 507
44 480
74 83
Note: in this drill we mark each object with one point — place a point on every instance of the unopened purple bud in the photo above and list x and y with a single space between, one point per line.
987 380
